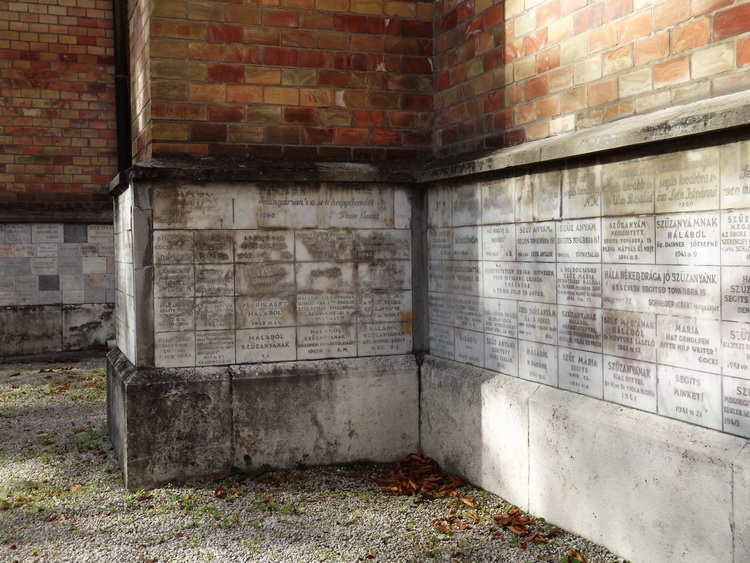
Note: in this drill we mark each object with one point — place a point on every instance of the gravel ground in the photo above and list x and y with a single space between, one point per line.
62 499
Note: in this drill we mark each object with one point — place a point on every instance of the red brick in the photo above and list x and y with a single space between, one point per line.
494 16
548 59
615 9
227 151
243 14
283 134
743 52
384 26
226 73
670 13
417 139
402 119
297 38
617 60
537 87
262 36
474 27
548 107
317 135
226 113
603 38
281 18
672 72
602 92
368 154
280 57
385 137
244 93
383 100
368 118
176 29
514 50
222 33
350 61
245 54
316 59
535 41
417 65
315 20
494 59
692 35
547 12
351 136
208 132
732 22
416 28
465 10
417 102
347 22
446 22
206 52
367 43
633 27
300 115
701 7
334 79
334 153
651 48
570 6
401 45
588 18
335 41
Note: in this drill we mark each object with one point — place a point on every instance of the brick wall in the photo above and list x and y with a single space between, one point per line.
518 70
57 107
302 79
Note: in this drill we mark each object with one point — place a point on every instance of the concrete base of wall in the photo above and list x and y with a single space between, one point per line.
647 487
170 424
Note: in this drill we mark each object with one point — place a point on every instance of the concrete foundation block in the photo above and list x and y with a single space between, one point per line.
87 326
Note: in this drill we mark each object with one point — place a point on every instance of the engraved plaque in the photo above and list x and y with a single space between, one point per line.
288 206
735 294
214 247
265 311
736 406
579 241
375 339
440 244
629 240
499 243
579 284
173 315
263 246
386 274
628 187
264 279
43 266
2 234
500 317
630 383
333 246
100 234
688 239
173 281
214 313
383 245
690 395
689 342
466 205
735 339
329 341
467 243
535 242
44 251
47 233
735 238
6 250
527 282
363 208
546 195
173 247
438 207
581 372
214 347
537 322
442 341
18 233
537 362
24 250
579 328
325 277
214 280
469 347
468 311
71 282
174 349
735 172
94 265
630 335
385 306
326 308
266 345
498 201
402 206
501 354
581 196
440 276
688 181
193 208
441 308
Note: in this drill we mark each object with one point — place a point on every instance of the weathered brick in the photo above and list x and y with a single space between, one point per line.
280 57
349 136
615 9
204 92
299 115
651 48
224 33
280 95
633 27
619 110
700 7
297 38
634 83
602 92
712 60
691 35
548 107
334 117
547 12
245 54
298 77
261 36
178 70
165 131
263 114
169 90
671 72
603 37
731 22
203 52
225 112
670 13
177 29
617 60
226 73
250 15
281 18
244 93
208 132
167 49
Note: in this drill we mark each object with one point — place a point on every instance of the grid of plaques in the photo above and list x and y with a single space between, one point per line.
626 281
297 274
56 263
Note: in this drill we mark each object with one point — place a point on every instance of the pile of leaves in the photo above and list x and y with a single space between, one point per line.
419 476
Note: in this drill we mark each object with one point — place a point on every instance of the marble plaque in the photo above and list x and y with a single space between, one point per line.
362 208
629 240
467 243
546 188
442 341
498 201
469 347
68 282
387 306
466 205
377 339
690 343
499 243
6 250
329 341
579 241
383 244
735 340
214 347
89 249
735 294
579 284
53 232
173 281
402 206
173 315
47 250
630 383
579 328
214 313
389 274
537 322
469 312
100 234
325 277
535 242
440 276
24 250
735 180
467 278
526 282
214 280
537 362
439 201
173 247
266 345
581 196
94 265
43 266
736 406
265 311
688 239
690 395
214 247
581 372
194 208
16 233
263 246
524 199
2 234
324 246
326 308
735 238
628 187
500 317
630 335
440 244
174 349
688 181
283 206
501 354
441 308
264 279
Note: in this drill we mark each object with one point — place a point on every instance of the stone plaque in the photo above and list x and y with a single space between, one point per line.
6 250
173 281
174 349
53 232
467 278
498 201
43 266
581 196
89 249
441 309
440 276
376 339
688 181
362 208
47 250
466 205
214 313
194 208
266 345
688 239
735 181
324 246
69 282
736 406
326 308
402 206
265 311
214 347
16 233
392 274
690 343
383 245
214 247
537 322
735 294
173 315
24 250
325 277
264 279
2 234
468 312
173 247
537 362
500 317
388 306
284 206
442 341
579 241
579 284
735 238
535 242
501 354
469 347
94 265
735 339
581 372
263 246
628 187
329 341
499 243
527 282
546 188
214 280
440 244
100 234
629 240
579 328
467 243
630 383
630 335
439 201
690 395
